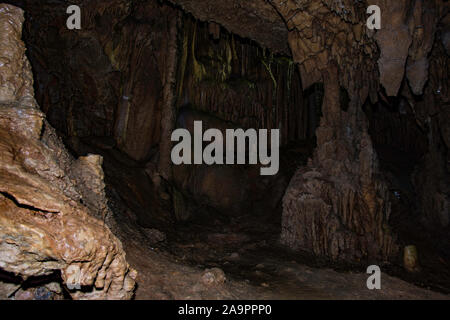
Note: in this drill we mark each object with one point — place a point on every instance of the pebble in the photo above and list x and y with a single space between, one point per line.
234 256
214 276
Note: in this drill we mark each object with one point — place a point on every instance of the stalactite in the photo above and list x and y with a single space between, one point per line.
242 83
168 118
183 63
198 69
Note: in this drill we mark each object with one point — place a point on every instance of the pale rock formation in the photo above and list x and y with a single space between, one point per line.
43 225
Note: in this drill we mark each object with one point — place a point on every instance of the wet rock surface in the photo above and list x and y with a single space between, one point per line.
43 226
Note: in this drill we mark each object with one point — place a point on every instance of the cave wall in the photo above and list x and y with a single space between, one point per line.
104 80
262 23
229 82
45 226
337 206
432 176
119 93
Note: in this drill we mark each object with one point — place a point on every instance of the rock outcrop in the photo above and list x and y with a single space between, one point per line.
44 227
105 79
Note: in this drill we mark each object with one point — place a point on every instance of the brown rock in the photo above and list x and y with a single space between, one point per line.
337 206
214 276
411 259
16 80
43 227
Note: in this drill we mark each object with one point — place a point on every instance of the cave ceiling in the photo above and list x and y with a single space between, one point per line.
256 19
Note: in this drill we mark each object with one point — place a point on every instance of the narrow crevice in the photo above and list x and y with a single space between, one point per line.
44 213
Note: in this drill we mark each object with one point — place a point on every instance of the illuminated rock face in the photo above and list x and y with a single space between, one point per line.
338 206
15 72
44 227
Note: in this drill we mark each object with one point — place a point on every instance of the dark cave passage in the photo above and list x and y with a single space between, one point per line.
226 82
402 143
362 172
206 215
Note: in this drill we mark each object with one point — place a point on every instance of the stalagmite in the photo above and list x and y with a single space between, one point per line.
339 196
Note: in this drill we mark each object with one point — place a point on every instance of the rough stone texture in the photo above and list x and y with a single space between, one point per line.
394 41
78 89
406 38
432 176
105 79
422 25
43 225
138 50
169 101
16 80
337 206
89 177
319 33
236 80
214 276
227 189
262 23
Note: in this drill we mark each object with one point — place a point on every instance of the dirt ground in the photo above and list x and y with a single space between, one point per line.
255 274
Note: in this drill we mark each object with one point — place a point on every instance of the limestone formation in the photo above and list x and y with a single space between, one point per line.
44 227
339 204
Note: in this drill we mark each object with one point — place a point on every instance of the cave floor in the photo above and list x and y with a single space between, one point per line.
257 271
255 265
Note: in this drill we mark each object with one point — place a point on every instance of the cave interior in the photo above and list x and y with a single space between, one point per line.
364 126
